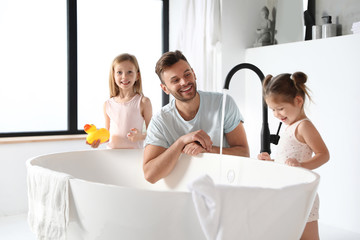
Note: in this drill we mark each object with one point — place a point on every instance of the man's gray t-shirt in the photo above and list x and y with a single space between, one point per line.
167 125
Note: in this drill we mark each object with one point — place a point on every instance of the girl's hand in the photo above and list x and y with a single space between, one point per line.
193 149
95 144
293 162
134 135
264 156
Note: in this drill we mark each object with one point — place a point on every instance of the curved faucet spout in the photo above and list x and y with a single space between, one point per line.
266 138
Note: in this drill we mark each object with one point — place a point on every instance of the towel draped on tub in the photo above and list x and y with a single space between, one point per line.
48 199
240 212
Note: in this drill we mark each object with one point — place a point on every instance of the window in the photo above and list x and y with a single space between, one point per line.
33 74
35 94
106 30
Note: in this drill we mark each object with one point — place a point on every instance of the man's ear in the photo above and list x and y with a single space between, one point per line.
193 73
164 88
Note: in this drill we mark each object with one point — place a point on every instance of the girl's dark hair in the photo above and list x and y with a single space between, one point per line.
287 86
167 60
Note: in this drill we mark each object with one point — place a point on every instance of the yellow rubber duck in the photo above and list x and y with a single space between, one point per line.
95 134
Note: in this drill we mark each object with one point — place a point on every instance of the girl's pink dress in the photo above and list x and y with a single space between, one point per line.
123 117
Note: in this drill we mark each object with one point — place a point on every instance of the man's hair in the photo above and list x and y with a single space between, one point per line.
167 60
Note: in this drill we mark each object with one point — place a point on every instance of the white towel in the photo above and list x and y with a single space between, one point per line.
221 214
48 199
237 212
207 205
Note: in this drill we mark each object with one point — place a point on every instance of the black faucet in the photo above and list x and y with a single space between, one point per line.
266 137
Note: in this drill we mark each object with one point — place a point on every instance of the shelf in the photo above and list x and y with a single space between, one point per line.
332 40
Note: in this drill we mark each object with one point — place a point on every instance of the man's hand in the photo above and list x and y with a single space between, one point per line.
159 162
200 137
193 149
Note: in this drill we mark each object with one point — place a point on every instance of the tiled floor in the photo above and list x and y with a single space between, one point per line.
16 228
331 233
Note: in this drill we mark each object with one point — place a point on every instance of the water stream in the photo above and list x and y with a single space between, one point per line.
222 131
222 121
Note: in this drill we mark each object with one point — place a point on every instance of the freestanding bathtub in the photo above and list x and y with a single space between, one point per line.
110 199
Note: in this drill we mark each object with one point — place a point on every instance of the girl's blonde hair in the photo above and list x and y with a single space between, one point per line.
114 88
286 86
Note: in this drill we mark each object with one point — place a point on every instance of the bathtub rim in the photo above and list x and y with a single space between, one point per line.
32 162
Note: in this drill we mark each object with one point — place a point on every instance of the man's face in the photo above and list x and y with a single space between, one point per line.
179 81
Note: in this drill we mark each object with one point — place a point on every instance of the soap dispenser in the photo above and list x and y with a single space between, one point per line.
328 28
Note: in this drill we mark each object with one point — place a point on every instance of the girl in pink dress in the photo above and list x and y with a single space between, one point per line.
300 144
127 109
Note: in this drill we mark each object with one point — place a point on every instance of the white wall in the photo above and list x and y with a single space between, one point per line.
236 19
332 67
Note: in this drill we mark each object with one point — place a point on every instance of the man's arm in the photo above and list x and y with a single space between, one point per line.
159 161
237 141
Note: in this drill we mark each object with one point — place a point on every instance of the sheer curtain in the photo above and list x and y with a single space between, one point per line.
200 41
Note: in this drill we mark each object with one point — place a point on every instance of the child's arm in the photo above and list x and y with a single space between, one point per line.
307 133
146 111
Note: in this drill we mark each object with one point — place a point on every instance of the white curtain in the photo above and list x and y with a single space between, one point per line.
200 41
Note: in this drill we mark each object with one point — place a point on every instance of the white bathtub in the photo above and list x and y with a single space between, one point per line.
109 198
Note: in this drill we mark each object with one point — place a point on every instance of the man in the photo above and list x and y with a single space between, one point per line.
190 123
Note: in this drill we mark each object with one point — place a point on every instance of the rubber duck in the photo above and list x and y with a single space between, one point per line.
95 134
